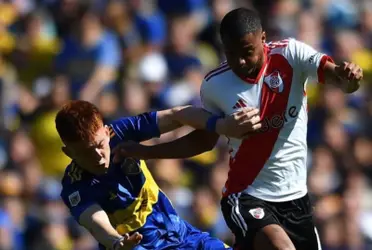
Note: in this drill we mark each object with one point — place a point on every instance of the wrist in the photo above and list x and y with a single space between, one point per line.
350 87
116 244
221 126
211 124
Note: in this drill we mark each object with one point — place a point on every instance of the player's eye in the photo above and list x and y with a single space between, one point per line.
249 53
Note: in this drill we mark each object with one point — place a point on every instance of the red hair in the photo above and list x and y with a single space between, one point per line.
78 121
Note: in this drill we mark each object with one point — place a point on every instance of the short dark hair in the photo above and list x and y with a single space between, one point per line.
239 22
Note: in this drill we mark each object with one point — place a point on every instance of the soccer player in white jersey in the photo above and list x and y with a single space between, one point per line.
265 201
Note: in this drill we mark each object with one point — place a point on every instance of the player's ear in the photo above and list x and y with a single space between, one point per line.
107 130
263 37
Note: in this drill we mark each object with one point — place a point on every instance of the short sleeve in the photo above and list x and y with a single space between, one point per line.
207 99
77 198
135 128
310 60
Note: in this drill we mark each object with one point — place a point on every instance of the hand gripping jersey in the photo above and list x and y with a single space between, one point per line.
130 196
272 164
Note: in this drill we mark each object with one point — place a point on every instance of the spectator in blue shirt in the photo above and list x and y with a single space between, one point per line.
90 58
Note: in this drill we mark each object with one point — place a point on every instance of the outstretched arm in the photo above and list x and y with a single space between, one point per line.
236 125
194 143
240 124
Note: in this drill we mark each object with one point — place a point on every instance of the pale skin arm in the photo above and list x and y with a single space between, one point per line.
96 221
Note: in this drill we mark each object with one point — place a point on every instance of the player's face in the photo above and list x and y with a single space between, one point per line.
92 156
246 56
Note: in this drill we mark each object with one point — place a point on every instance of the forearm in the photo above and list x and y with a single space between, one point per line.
330 75
192 144
98 224
166 120
335 76
177 117
192 116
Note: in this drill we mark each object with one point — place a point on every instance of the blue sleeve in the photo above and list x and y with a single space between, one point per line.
136 128
109 53
77 197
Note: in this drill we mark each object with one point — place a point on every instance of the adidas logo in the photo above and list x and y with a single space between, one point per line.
240 104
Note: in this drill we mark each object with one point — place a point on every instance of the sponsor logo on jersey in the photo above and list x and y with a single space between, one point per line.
275 82
257 213
277 121
74 198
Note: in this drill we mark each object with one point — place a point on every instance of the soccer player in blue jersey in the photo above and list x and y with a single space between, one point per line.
120 203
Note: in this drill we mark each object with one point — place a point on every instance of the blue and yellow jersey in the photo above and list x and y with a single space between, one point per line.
130 196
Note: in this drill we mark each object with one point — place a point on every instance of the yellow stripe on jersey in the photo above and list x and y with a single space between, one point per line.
134 217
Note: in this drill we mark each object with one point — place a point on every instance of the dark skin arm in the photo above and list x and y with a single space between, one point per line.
347 76
194 143
239 125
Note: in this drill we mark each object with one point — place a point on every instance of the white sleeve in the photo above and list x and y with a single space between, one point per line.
308 59
208 102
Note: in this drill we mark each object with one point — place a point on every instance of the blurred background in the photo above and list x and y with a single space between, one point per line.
132 56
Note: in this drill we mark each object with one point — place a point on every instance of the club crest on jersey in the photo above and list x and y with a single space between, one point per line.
257 213
131 166
74 198
275 82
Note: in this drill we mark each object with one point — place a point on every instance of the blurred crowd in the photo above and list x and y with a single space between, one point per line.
131 56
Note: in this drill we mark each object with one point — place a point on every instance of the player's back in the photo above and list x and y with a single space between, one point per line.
128 193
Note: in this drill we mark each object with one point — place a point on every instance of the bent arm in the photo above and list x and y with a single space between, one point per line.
96 221
335 74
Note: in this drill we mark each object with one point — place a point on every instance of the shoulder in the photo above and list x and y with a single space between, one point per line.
279 47
120 128
74 178
215 76
289 46
290 49
217 72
